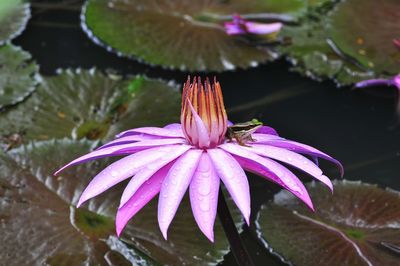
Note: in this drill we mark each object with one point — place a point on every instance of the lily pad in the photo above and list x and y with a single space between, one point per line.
14 14
357 225
42 226
89 104
369 38
313 54
18 75
177 34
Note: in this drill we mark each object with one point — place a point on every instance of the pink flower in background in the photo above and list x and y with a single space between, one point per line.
196 156
394 81
240 26
396 42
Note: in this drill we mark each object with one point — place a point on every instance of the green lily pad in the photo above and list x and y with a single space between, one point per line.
18 75
89 104
179 34
313 54
369 38
41 224
356 225
14 14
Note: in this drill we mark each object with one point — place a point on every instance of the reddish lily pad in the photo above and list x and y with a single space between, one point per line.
357 225
369 38
14 14
89 104
42 226
18 75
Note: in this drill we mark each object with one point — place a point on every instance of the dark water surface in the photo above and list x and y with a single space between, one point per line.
358 128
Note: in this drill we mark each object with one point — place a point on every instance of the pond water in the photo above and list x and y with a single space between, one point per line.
359 128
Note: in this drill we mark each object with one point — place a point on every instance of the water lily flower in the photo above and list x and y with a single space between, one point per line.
238 26
394 81
396 42
195 155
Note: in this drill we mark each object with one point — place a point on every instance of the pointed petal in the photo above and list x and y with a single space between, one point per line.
174 187
129 139
142 196
155 131
304 149
123 169
260 137
202 132
291 158
150 169
121 150
373 82
269 169
203 190
267 130
175 127
263 28
234 178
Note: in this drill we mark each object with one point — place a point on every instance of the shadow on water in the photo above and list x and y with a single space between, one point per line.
358 128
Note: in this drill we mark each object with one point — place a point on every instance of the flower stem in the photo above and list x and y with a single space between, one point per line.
239 251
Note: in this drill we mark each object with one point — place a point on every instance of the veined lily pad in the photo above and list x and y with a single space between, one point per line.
369 37
90 104
42 226
357 225
175 34
18 75
14 14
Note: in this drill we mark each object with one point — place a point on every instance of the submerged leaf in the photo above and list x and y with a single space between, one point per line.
89 104
357 225
18 75
42 226
14 14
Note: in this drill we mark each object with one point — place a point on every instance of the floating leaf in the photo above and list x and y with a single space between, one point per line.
369 38
90 104
42 226
14 14
356 225
177 34
18 75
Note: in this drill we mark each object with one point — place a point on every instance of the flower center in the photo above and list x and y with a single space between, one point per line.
203 116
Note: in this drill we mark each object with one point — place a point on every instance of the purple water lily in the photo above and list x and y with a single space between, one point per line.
394 81
196 156
238 25
396 43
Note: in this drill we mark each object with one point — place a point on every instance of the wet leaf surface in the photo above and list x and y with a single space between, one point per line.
357 225
89 104
18 75
39 207
369 38
14 15
178 34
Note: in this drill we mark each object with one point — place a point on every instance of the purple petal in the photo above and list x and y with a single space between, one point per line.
267 130
234 178
259 137
269 169
263 28
123 169
396 80
204 189
155 131
374 82
142 196
202 132
121 150
174 187
304 149
129 139
293 159
175 127
150 169
232 28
